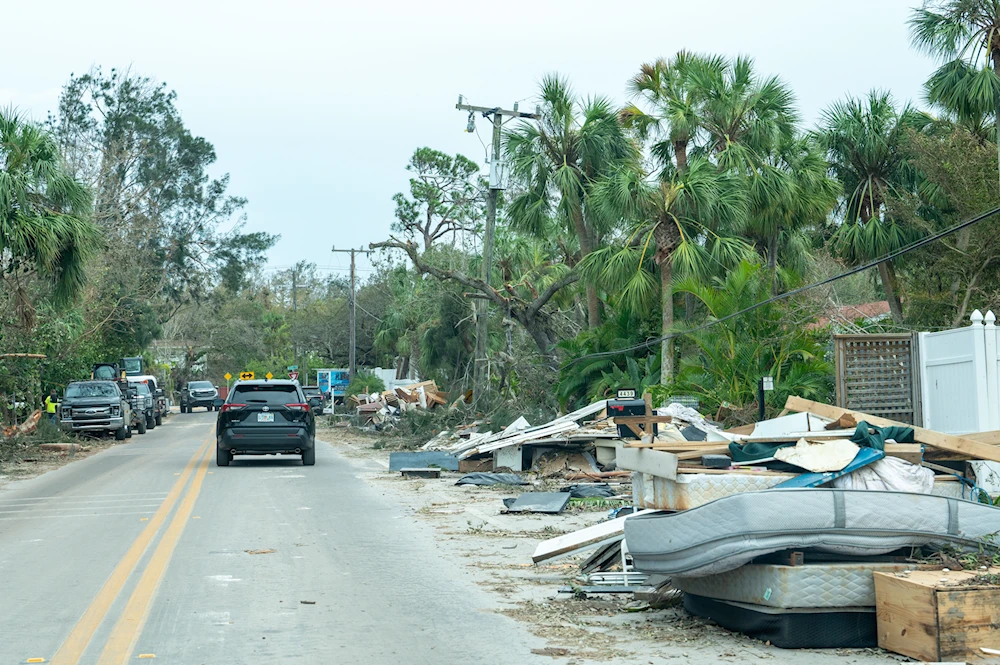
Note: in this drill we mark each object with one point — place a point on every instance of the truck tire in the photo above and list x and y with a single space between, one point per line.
159 419
222 457
309 457
142 425
120 433
150 422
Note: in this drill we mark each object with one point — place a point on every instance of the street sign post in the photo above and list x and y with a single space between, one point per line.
227 376
292 368
269 376
294 376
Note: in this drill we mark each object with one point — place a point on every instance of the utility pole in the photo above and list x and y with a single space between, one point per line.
351 308
480 375
295 309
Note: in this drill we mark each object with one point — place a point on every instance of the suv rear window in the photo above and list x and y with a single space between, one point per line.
272 394
201 385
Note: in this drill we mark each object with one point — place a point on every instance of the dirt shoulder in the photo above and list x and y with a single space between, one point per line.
496 550
24 459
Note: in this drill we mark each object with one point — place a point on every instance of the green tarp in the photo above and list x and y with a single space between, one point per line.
866 436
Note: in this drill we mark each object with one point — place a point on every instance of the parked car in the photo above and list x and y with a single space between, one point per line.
96 406
198 393
316 399
160 406
265 418
148 410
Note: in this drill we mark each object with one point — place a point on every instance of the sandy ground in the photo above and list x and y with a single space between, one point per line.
496 550
31 462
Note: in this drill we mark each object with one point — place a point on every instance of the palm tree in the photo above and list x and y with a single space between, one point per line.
574 144
862 138
674 117
45 225
789 191
682 219
745 117
966 35
750 125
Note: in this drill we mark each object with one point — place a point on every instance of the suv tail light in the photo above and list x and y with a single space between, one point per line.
301 407
231 407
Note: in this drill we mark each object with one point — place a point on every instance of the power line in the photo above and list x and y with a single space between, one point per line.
802 289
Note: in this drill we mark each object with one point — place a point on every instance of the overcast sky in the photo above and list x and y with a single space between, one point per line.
315 107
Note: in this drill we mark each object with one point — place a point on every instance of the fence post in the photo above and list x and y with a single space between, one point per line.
992 415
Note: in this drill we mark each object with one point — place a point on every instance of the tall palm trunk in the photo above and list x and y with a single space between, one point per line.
680 154
667 237
586 247
887 273
996 106
772 261
666 321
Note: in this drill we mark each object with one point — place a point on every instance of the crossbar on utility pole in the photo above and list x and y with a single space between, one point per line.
480 375
351 367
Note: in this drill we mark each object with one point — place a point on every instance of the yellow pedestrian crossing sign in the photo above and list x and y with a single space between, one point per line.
227 376
269 376
246 376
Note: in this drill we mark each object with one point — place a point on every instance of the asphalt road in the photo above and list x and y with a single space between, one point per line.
149 550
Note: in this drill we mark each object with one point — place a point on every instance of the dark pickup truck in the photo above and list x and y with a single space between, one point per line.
96 406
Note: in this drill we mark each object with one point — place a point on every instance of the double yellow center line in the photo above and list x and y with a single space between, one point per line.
129 626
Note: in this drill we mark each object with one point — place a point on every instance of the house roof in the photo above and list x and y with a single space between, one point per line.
871 311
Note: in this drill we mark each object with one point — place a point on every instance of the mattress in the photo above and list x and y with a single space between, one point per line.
813 585
691 490
842 628
729 532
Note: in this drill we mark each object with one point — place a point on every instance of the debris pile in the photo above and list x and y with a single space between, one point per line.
25 428
377 408
810 508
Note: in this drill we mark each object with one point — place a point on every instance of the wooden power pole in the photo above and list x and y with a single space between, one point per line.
352 363
480 374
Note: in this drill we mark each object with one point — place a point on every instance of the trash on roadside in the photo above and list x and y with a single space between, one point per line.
539 502
486 479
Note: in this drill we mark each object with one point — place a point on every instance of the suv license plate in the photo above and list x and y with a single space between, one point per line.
265 417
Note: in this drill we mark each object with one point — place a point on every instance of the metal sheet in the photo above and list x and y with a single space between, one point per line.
422 459
540 502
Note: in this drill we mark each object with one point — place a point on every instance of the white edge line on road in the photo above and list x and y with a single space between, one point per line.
39 517
33 509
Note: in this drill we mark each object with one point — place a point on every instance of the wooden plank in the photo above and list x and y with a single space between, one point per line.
643 460
911 452
641 420
591 536
992 438
696 454
956 444
738 472
906 617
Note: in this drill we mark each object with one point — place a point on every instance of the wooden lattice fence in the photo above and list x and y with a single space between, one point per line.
878 374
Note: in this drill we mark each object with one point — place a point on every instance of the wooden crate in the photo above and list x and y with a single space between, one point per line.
921 617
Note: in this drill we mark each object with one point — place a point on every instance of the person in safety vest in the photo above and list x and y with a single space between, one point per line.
51 402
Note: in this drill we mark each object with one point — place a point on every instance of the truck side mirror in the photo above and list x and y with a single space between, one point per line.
314 401
218 402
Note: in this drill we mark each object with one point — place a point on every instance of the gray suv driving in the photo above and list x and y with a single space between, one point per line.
198 393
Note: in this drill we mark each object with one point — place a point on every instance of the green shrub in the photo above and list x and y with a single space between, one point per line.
364 383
